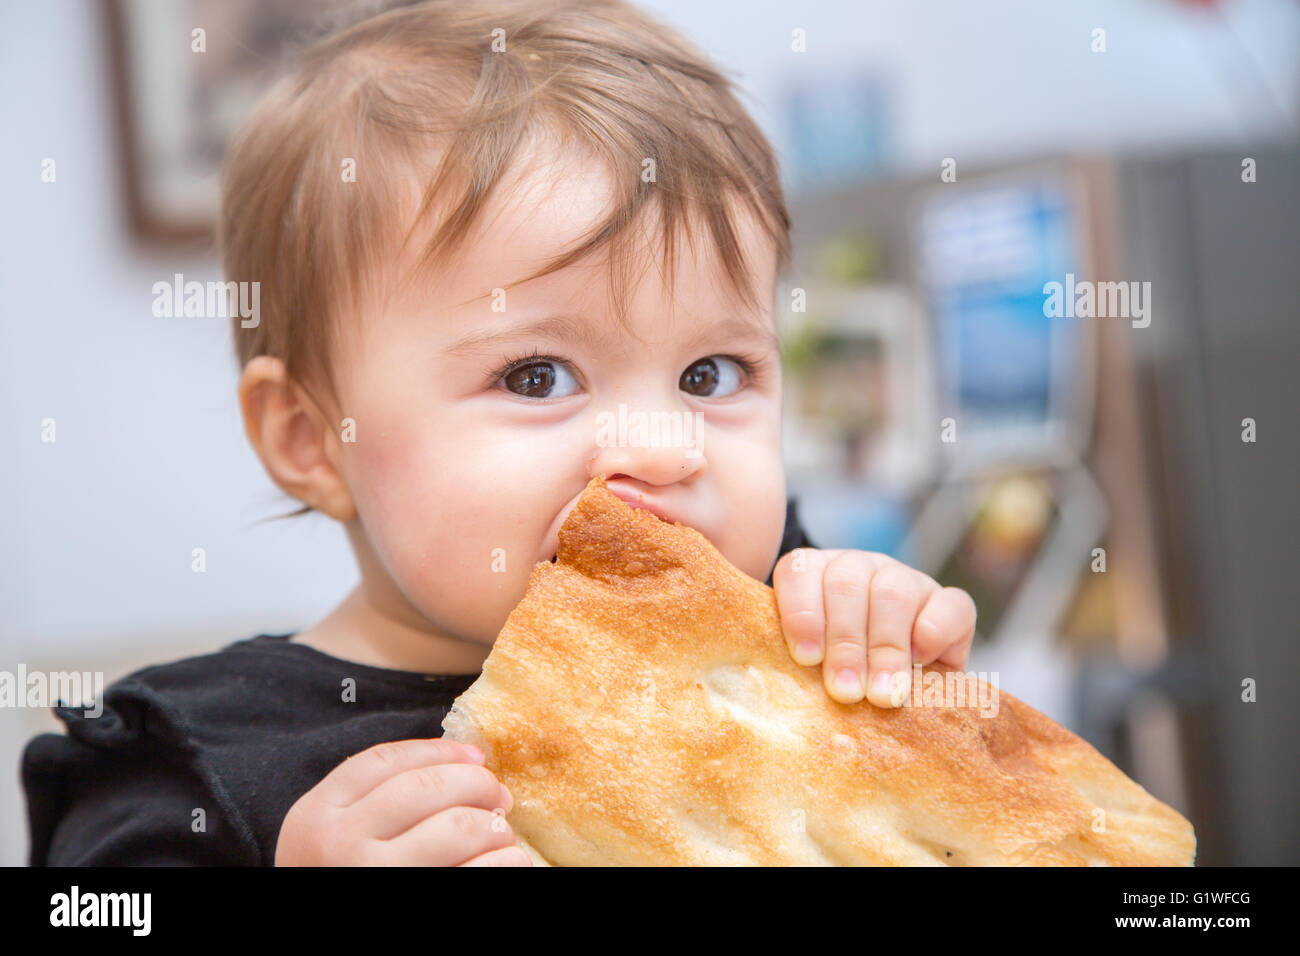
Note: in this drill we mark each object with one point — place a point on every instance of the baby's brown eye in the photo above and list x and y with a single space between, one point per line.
540 380
531 380
709 379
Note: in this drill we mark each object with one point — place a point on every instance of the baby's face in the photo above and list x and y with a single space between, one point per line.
477 429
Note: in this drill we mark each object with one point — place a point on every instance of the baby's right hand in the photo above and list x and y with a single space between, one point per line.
404 803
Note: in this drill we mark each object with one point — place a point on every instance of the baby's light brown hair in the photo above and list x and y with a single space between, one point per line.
432 103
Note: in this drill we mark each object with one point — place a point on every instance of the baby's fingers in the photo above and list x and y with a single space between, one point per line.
797 581
363 772
845 592
454 836
507 856
897 595
401 802
945 628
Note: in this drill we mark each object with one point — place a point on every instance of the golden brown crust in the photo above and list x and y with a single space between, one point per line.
642 708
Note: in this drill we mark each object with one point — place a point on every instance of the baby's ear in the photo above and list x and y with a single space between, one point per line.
292 437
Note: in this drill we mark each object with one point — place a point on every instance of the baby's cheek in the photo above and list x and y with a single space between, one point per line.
394 491
461 565
465 586
752 544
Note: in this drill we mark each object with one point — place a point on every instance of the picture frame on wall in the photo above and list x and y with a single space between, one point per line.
184 75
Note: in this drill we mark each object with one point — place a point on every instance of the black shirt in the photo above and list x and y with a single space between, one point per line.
197 761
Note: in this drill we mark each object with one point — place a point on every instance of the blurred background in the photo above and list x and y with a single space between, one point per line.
1113 481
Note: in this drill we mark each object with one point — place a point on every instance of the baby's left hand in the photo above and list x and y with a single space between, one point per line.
864 615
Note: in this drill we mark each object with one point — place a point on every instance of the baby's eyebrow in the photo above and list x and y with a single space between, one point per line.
573 330
562 328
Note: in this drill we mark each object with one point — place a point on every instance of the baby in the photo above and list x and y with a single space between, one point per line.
452 211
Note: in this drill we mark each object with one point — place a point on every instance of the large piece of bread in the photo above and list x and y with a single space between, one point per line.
642 707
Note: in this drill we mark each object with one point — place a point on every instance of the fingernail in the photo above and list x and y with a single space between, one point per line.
808 653
507 801
848 683
889 689
475 753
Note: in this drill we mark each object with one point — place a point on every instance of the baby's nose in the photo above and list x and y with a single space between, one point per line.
654 448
